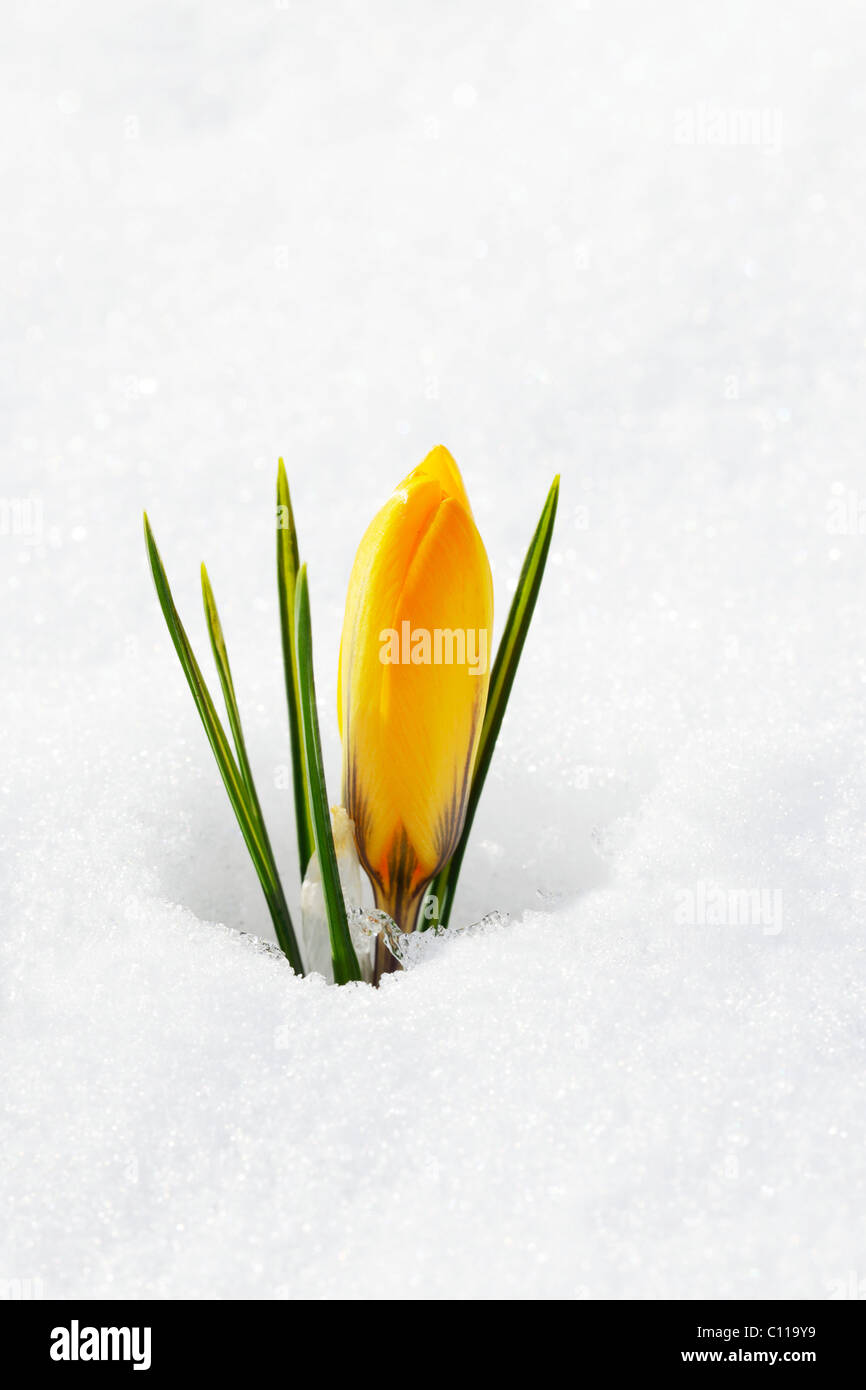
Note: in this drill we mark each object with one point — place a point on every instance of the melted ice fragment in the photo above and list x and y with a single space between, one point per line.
413 948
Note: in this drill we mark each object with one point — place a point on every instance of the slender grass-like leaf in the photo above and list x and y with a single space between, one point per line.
248 816
501 680
287 574
343 955
221 659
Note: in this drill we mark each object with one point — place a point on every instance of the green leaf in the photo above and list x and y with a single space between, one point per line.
287 573
501 681
245 809
342 951
221 658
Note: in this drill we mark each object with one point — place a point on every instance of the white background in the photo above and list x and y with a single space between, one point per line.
544 236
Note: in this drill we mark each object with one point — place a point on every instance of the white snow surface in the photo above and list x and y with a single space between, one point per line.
618 241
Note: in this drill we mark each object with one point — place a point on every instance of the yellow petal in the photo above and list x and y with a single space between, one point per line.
439 467
410 729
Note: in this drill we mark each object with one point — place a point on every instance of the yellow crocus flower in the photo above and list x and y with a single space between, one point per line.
413 680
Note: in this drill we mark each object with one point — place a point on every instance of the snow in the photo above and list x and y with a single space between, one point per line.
544 238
